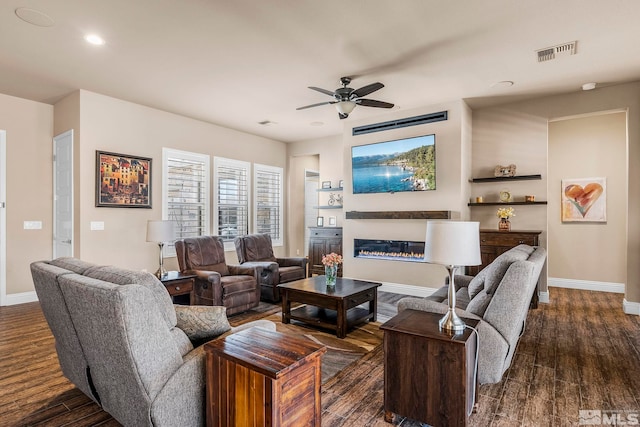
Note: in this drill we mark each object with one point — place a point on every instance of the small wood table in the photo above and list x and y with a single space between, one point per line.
180 284
258 377
335 309
428 373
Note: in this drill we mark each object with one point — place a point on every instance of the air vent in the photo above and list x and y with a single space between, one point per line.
549 53
401 123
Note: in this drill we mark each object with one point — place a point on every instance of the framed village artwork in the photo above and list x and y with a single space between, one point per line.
122 181
584 200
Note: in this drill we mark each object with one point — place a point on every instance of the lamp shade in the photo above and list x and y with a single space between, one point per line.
345 107
160 231
454 243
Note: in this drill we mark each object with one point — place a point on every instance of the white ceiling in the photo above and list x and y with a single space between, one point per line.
238 62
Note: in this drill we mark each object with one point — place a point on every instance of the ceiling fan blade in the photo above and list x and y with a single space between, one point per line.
366 90
319 89
315 105
373 103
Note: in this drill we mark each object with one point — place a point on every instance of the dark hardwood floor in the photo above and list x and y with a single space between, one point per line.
578 352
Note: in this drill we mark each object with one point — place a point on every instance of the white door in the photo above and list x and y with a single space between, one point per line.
63 194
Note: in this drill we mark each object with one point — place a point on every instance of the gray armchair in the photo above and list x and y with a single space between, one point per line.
218 283
257 250
123 343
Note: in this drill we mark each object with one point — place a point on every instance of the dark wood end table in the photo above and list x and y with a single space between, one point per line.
336 309
180 284
428 373
258 377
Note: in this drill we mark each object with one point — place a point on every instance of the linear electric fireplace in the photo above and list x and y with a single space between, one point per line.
394 250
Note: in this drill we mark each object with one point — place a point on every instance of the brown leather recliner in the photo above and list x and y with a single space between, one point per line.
257 250
233 286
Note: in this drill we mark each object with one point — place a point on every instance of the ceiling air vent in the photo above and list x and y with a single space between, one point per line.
549 53
401 123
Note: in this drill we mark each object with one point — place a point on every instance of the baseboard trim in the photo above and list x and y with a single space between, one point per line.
413 290
586 285
631 307
543 297
21 298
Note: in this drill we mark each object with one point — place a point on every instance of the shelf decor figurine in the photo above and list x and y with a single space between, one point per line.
501 171
504 214
331 262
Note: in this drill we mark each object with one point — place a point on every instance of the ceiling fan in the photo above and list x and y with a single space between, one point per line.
347 98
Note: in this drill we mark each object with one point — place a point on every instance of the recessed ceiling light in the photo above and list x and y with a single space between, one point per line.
317 123
94 39
588 86
502 84
34 17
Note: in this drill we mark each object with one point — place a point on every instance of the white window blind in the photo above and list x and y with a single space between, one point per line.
185 185
232 198
268 201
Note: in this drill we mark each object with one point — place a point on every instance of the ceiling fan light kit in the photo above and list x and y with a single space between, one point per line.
347 98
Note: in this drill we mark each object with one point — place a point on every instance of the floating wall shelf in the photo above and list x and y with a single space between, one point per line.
507 178
399 215
506 203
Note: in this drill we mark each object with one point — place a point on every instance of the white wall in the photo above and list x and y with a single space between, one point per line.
110 124
588 147
29 174
453 140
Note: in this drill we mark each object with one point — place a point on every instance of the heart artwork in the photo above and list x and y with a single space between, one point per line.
583 198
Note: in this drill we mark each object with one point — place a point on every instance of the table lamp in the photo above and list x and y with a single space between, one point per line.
452 244
160 232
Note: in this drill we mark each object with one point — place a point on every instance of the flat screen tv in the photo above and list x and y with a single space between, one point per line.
388 167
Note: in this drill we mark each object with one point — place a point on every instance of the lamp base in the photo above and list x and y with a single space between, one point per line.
161 272
451 323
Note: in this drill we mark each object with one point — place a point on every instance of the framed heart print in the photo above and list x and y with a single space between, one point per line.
584 200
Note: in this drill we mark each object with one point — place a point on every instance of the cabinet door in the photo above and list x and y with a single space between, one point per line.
317 248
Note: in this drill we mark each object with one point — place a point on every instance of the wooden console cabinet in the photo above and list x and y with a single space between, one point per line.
429 375
322 241
494 243
257 378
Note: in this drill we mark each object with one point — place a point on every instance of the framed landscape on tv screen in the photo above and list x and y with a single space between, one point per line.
393 166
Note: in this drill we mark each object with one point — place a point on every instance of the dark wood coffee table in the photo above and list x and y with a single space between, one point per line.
335 309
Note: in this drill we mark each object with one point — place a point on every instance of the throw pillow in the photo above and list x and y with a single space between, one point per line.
202 322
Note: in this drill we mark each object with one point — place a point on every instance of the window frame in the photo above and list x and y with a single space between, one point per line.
167 153
257 168
235 164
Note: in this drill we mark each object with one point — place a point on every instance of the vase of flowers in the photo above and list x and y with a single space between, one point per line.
504 214
331 262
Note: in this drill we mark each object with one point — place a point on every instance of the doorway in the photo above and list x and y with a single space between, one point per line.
63 194
311 185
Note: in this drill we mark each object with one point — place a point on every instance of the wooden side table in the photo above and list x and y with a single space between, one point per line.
180 284
428 374
258 377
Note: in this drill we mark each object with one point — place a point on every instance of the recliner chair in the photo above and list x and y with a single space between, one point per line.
218 283
123 343
257 250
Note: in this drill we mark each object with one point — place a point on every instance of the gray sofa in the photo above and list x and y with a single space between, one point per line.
120 340
499 297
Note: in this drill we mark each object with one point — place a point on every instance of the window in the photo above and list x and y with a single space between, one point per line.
232 200
267 214
185 193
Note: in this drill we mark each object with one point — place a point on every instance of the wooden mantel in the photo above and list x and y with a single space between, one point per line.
399 215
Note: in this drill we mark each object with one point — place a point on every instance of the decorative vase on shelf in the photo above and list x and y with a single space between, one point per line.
504 224
331 272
